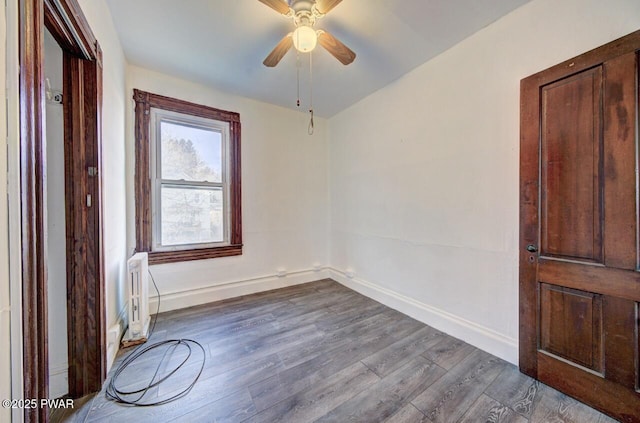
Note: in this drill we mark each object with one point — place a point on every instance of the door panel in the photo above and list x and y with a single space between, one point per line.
571 325
580 289
571 195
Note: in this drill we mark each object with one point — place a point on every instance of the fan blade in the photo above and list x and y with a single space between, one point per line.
278 53
338 50
324 6
277 5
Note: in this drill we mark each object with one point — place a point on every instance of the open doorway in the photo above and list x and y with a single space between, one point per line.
56 232
82 272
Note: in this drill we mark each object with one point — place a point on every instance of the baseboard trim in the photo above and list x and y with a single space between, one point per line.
114 335
477 335
193 297
58 380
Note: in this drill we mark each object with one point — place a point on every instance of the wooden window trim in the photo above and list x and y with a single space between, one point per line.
145 101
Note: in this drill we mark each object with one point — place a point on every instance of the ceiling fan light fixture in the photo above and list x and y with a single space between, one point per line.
305 39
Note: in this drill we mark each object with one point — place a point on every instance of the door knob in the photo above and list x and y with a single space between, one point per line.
532 248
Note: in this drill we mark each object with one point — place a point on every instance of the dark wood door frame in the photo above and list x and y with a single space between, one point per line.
85 264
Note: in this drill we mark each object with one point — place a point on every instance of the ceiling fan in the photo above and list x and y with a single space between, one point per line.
304 38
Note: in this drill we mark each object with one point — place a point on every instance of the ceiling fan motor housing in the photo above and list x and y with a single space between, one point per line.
305 12
302 5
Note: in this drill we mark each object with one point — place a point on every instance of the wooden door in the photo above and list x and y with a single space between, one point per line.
579 255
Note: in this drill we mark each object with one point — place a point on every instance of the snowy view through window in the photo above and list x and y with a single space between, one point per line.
192 195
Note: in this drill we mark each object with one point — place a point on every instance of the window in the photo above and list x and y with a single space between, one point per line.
187 180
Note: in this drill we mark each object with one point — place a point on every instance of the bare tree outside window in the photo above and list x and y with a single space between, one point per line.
192 193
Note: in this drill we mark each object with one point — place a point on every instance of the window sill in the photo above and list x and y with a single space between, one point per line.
162 257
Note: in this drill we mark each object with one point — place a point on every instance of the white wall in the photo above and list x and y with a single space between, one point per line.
56 234
113 154
5 338
424 173
284 198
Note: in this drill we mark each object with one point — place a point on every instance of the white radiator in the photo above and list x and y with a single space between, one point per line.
138 295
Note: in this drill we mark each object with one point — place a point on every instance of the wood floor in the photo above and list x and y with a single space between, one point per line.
320 352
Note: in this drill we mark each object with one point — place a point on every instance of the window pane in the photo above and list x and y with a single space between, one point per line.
191 215
189 153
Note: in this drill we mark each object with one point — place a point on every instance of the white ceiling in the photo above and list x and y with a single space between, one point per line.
222 43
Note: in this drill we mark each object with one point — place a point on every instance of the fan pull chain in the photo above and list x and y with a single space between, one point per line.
298 74
311 124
